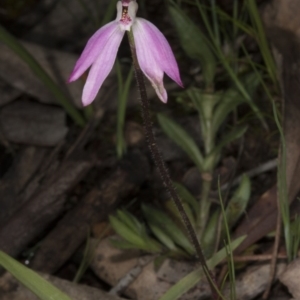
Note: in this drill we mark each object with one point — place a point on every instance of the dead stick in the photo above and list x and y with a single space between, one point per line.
72 230
37 213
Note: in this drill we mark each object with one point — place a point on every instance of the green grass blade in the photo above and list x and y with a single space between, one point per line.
186 283
59 95
295 229
208 240
238 202
282 188
181 138
242 90
231 98
231 72
190 212
204 102
194 43
126 232
123 91
262 40
238 24
230 136
229 249
186 196
235 17
164 222
163 237
34 282
130 221
85 260
136 237
215 22
89 253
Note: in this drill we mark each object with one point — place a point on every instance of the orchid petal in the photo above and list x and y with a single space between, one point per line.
102 66
155 56
92 49
148 59
163 51
119 10
132 9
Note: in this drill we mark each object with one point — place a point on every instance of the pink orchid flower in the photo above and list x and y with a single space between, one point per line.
154 53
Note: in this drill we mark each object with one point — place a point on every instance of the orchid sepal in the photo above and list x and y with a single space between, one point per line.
154 53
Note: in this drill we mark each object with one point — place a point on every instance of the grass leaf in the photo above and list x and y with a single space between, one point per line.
194 43
34 282
182 139
238 202
165 223
186 283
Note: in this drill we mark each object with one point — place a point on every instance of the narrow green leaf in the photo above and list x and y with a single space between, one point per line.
230 136
181 138
131 221
209 235
34 282
203 101
238 202
194 43
186 283
228 247
86 259
282 186
123 90
232 98
126 233
164 222
186 196
138 238
170 206
235 133
230 70
262 40
163 237
238 24
229 101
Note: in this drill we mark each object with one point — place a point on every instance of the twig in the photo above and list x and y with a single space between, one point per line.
131 275
261 257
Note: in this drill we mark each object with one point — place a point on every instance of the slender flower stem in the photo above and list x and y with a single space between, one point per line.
164 173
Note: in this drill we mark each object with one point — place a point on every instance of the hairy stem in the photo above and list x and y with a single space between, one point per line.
164 173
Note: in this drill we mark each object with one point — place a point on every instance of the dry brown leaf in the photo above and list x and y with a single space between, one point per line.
57 64
253 281
43 208
25 165
7 93
111 265
290 278
33 123
73 228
